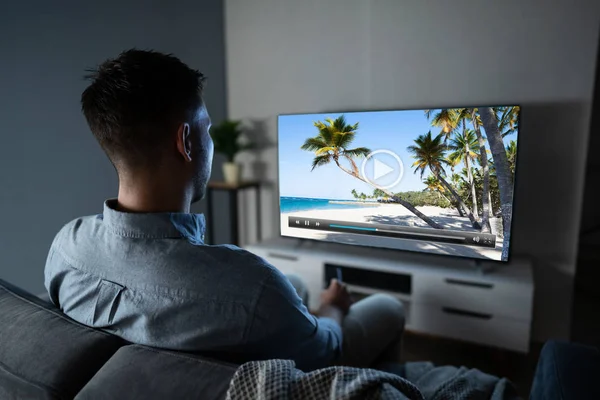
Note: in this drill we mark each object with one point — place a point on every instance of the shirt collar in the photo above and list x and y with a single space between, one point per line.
154 225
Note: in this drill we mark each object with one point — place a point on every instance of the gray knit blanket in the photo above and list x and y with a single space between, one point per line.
280 380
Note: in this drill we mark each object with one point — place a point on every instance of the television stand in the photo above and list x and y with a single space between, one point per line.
482 267
484 302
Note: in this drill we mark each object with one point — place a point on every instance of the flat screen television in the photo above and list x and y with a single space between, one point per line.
437 181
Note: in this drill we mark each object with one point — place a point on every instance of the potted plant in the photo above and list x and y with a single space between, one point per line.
228 140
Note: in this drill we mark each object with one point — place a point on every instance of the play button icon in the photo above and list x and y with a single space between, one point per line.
380 170
383 169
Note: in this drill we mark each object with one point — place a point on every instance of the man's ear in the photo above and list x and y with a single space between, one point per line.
184 141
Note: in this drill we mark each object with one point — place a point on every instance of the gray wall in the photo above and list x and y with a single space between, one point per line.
51 169
289 56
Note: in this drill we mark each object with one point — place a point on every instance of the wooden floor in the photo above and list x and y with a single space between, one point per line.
519 368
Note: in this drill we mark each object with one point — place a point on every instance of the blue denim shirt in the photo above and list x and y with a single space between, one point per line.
150 279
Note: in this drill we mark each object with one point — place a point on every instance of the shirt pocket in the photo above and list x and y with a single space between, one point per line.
107 301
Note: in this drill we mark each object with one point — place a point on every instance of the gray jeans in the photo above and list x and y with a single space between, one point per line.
372 330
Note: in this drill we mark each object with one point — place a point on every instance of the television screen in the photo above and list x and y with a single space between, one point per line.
438 181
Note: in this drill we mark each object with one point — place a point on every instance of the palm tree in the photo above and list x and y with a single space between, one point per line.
464 148
434 185
470 114
377 193
332 144
449 120
491 176
429 152
446 118
508 118
453 163
455 178
493 198
511 155
354 193
503 173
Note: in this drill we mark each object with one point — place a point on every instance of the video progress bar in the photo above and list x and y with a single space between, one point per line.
401 232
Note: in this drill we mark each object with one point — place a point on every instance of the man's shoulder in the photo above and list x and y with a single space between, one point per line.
237 255
78 223
76 226
85 236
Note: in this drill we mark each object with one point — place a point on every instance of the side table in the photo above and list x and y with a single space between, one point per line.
233 190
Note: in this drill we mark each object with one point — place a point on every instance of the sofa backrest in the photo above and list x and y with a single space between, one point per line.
139 372
43 353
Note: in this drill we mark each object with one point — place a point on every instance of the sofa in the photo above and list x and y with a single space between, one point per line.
46 355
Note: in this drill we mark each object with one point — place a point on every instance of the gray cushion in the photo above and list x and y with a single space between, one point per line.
43 353
139 372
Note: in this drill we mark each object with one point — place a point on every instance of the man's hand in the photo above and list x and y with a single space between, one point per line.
337 296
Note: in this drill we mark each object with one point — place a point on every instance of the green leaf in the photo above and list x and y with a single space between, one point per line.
343 139
357 152
321 160
324 150
314 144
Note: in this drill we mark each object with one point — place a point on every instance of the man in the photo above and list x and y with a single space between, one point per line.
141 270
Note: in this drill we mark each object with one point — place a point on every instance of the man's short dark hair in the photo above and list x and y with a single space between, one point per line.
135 99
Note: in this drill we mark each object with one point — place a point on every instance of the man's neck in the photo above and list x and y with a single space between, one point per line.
152 199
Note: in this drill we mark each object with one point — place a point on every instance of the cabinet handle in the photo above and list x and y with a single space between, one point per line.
283 256
468 283
456 311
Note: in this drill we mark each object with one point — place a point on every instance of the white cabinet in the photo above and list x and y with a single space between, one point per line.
486 329
480 294
443 296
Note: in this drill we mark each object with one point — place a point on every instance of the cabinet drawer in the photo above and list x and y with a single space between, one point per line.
471 327
513 300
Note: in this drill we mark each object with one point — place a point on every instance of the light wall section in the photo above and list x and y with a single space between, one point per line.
286 56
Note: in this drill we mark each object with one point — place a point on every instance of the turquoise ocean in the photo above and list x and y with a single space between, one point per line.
293 204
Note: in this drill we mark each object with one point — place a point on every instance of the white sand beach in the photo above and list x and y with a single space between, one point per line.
393 214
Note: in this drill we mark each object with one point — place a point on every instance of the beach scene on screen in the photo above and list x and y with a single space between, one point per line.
437 169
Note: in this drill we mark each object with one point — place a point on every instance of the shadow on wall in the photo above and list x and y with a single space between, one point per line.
547 205
549 180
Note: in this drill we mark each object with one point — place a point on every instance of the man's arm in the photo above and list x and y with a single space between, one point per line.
335 302
331 312
283 328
